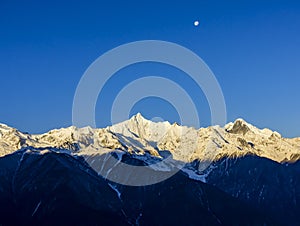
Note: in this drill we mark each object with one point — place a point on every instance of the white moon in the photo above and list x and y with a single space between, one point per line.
196 23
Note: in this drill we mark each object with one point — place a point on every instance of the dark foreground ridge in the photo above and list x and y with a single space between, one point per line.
59 189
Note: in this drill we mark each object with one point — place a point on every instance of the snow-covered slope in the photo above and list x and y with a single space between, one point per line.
140 136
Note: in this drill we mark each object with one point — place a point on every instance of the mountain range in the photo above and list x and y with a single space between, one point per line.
232 175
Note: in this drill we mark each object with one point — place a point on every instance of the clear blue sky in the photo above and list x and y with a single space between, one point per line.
253 48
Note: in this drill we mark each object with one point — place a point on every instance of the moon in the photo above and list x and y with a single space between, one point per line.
196 23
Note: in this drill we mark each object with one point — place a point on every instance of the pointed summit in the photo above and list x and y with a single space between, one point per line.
138 116
138 119
240 126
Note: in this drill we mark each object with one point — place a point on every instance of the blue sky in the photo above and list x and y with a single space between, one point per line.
253 48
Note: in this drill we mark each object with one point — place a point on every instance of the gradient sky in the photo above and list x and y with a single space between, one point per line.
253 48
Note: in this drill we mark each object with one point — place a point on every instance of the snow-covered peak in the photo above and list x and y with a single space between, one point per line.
138 117
240 126
138 126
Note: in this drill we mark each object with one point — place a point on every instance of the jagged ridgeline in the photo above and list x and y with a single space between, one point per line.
139 135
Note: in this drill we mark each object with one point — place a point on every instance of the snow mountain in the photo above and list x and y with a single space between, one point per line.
140 136
232 175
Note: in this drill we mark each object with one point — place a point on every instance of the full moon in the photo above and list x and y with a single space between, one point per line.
196 23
